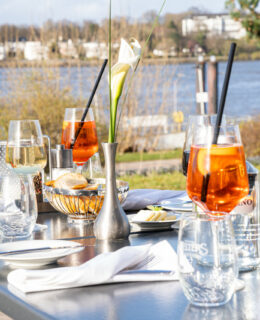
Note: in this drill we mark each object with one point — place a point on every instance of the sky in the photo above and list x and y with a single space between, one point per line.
37 11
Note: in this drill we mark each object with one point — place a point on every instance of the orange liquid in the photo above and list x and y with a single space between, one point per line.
86 144
226 170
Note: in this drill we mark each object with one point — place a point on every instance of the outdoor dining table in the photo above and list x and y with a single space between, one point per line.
137 300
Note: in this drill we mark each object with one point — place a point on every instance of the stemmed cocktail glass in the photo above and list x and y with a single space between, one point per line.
217 178
80 136
198 121
193 122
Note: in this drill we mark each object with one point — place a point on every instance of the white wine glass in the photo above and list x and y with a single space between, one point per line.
25 148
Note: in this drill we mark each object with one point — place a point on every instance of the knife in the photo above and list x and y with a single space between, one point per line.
22 251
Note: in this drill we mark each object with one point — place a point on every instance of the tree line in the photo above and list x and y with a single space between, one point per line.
166 36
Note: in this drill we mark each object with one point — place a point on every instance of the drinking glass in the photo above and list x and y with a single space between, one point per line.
193 121
198 121
217 179
93 168
246 224
25 148
80 136
207 268
18 207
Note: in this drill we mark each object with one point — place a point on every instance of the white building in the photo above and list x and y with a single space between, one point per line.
2 52
169 52
214 24
96 50
159 53
67 49
34 50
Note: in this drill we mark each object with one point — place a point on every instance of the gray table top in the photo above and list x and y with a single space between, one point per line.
153 300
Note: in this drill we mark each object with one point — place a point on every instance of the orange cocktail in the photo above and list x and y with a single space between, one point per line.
86 144
221 169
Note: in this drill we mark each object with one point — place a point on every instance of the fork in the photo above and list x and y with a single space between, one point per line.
150 260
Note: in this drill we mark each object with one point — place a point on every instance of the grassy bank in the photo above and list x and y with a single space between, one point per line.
164 181
146 156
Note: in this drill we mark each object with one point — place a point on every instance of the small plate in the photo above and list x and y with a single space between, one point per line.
153 225
38 258
185 206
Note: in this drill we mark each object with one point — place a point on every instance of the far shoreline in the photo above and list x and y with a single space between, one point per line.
15 63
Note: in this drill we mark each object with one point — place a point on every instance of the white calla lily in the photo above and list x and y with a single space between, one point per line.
118 75
129 55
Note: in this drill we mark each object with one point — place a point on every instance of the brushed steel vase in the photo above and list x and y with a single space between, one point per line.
111 222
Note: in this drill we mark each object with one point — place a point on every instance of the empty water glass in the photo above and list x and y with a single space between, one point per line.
18 207
92 169
207 260
246 223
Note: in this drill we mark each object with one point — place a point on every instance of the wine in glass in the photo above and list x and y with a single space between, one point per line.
25 150
217 179
80 136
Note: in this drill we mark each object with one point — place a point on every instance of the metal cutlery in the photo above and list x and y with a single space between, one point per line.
22 251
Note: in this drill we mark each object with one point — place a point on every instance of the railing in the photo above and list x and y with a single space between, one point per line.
146 122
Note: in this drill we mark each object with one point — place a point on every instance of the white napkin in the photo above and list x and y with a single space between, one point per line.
140 198
105 268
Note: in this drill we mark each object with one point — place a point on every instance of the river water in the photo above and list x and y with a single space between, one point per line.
164 88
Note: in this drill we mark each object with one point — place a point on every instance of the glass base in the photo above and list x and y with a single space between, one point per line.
5 239
248 264
79 220
209 304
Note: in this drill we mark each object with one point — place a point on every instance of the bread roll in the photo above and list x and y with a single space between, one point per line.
70 181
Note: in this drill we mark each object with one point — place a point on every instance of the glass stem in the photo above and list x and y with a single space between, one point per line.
90 168
79 169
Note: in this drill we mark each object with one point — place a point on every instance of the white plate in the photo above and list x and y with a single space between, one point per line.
38 258
152 225
177 206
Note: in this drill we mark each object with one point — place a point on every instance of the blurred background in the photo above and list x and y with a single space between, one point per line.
51 52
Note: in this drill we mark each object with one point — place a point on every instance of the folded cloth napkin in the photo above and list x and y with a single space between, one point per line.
156 262
140 198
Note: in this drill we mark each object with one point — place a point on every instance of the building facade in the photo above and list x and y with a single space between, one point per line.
213 24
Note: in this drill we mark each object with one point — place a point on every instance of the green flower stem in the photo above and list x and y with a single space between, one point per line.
110 136
112 126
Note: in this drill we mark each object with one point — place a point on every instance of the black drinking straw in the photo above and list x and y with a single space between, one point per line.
232 50
89 102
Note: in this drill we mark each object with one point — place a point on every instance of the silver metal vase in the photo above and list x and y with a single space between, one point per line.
112 222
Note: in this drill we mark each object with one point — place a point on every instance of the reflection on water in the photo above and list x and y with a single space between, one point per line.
161 82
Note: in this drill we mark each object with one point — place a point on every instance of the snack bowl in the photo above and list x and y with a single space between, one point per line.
83 204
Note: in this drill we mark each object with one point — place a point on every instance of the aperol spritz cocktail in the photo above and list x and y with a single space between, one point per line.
217 179
198 121
79 136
